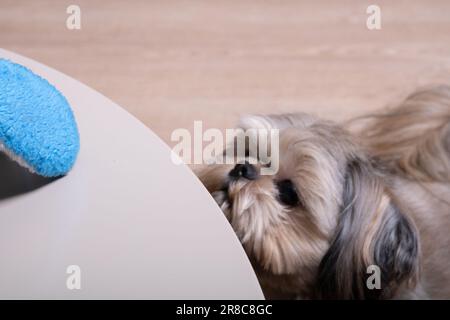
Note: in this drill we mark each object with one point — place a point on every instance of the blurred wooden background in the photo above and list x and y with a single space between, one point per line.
172 62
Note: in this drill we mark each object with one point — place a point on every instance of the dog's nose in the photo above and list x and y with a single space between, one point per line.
246 170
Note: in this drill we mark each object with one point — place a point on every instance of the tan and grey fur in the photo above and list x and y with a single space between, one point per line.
375 195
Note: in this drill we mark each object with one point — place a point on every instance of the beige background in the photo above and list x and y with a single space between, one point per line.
172 62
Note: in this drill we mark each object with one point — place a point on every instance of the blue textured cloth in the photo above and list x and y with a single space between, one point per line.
37 126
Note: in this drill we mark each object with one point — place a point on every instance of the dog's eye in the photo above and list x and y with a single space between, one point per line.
287 193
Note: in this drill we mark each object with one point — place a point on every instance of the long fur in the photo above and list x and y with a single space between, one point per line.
375 195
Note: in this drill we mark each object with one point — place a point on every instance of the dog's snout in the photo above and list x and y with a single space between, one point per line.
246 170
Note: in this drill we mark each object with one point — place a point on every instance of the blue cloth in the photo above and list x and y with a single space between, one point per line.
37 126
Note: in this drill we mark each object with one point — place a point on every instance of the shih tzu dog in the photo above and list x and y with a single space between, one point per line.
345 199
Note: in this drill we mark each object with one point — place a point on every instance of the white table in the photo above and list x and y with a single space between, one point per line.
137 225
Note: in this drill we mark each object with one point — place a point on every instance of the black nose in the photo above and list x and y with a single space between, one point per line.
245 170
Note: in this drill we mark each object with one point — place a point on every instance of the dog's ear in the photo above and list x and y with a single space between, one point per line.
371 231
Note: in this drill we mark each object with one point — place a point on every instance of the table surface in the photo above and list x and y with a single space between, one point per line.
137 225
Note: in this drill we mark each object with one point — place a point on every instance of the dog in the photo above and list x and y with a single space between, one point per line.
374 191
